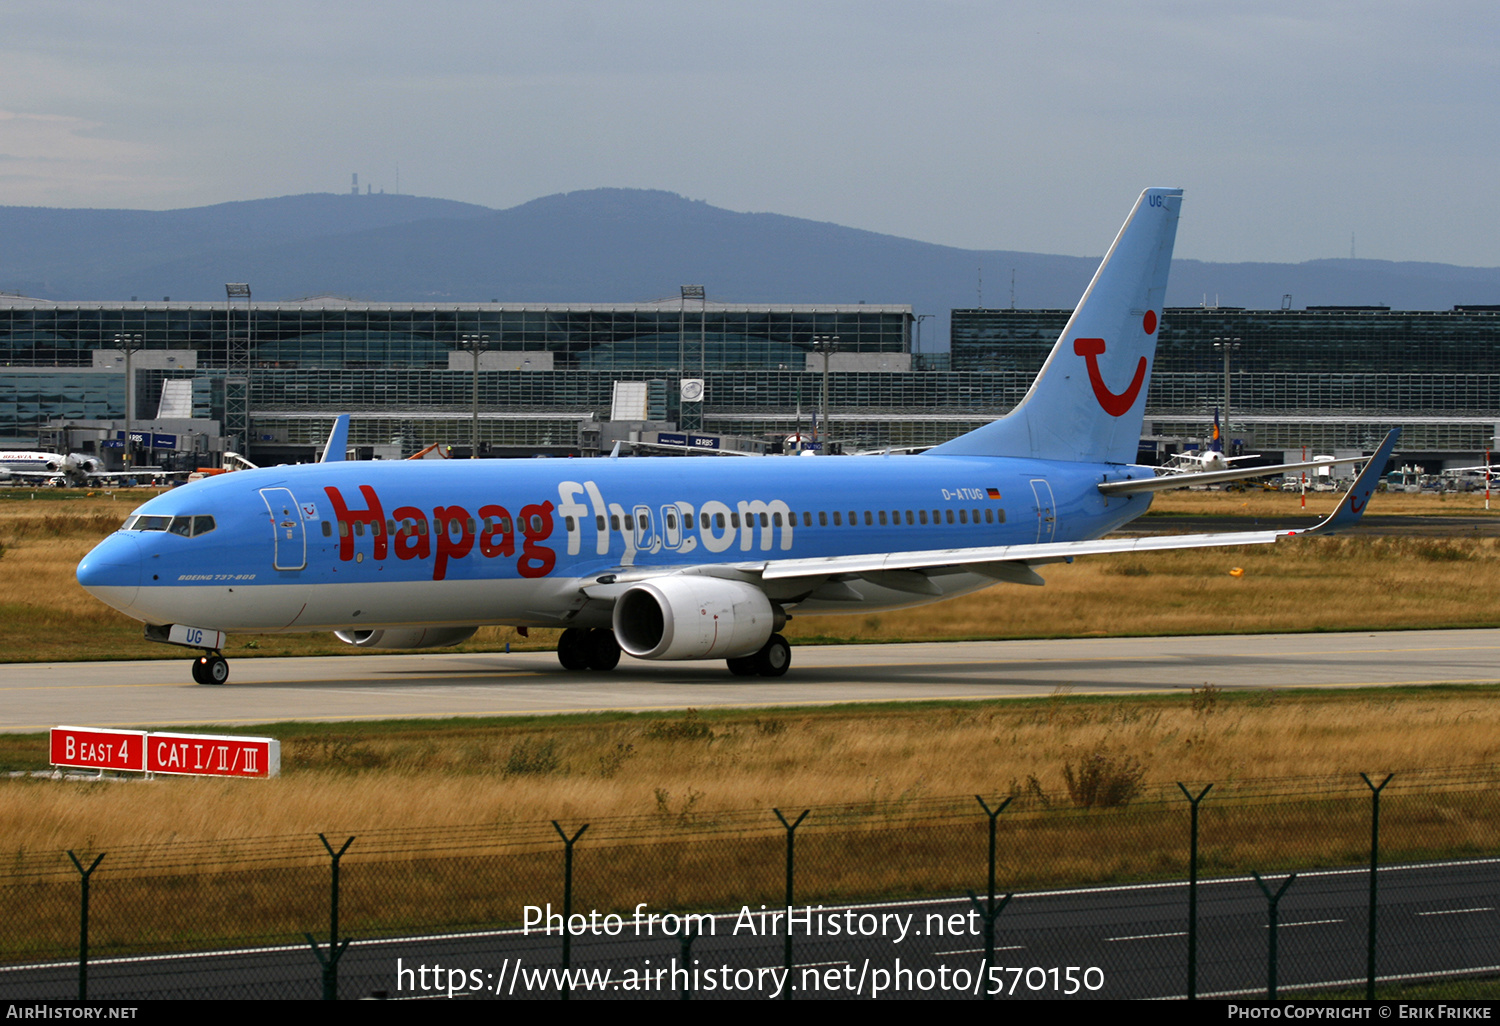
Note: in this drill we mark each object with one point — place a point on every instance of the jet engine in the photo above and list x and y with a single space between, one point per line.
693 617
407 637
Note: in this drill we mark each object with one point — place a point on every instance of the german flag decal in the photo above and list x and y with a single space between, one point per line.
994 493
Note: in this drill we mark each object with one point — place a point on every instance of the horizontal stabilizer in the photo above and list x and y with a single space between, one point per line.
1166 482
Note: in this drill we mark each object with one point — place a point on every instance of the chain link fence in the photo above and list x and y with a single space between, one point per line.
1235 888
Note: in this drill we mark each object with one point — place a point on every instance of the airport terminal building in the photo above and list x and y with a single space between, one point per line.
267 378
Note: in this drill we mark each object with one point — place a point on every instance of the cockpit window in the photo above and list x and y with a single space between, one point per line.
139 523
188 527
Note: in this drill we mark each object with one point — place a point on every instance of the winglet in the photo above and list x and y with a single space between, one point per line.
338 440
1355 499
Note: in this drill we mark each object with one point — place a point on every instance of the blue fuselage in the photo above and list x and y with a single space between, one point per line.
340 545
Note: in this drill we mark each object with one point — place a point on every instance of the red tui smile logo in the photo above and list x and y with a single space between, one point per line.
1116 405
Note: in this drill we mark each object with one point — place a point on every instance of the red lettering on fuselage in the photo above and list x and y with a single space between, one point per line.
499 535
455 531
372 514
411 539
455 537
536 524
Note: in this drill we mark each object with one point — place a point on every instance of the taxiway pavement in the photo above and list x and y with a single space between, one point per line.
161 694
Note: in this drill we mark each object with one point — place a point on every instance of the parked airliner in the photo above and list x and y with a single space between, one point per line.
672 558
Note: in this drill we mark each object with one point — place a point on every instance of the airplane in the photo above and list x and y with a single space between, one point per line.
671 559
70 470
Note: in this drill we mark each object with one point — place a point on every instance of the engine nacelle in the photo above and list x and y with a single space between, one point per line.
407 637
693 617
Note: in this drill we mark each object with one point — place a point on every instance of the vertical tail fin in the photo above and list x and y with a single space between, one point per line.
338 440
1088 401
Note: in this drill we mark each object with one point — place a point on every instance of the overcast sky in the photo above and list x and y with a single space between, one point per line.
986 125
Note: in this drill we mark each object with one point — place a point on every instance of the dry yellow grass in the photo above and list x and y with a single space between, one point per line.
451 823
683 768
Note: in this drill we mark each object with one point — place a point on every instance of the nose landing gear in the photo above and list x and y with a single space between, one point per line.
211 668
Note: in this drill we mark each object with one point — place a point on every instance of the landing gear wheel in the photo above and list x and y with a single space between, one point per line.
743 666
774 657
572 649
211 669
602 648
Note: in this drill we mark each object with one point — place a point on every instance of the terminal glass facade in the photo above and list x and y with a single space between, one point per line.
1328 379
1324 378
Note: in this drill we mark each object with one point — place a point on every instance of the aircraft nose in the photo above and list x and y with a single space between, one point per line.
112 571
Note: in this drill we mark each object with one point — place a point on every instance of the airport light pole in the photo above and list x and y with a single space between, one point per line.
476 344
1228 345
827 345
128 344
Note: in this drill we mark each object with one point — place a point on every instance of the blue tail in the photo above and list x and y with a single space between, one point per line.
338 440
1088 402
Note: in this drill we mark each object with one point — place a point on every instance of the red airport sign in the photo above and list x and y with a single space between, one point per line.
209 755
91 748
200 755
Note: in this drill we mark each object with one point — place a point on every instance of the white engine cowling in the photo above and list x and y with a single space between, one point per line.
407 637
692 617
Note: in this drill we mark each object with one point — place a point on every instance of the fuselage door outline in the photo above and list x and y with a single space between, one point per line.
1046 509
286 528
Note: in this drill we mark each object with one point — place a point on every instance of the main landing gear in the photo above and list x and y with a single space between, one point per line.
211 668
773 660
580 649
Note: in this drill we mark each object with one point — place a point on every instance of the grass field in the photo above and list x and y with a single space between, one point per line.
1347 583
419 775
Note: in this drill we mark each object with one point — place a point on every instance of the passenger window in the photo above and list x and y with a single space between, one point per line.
989 515
963 516
734 520
671 521
807 518
853 518
869 520
343 529
599 521
838 519
327 529
882 518
614 522
909 519
1001 517
950 516
359 528
775 519
822 519
568 523
705 521
645 521
922 516
719 521
536 525
422 528
471 525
